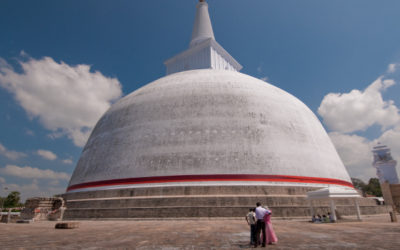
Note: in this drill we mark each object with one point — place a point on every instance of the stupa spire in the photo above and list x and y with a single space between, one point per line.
204 52
202 28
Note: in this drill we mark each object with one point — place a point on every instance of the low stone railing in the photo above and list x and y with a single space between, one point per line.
6 214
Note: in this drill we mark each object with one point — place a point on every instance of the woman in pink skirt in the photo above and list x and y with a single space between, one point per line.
269 230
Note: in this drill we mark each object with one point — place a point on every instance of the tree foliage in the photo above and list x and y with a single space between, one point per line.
12 200
2 199
358 184
372 188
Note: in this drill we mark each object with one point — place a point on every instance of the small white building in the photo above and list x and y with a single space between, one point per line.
332 193
384 164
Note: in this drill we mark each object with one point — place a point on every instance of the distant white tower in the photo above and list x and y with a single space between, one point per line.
384 164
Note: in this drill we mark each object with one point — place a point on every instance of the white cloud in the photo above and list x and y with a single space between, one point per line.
2 180
12 155
23 189
355 152
54 183
67 161
41 188
391 138
392 68
358 110
46 154
67 100
260 71
33 173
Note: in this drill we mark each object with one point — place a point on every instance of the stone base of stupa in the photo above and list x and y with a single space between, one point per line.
202 201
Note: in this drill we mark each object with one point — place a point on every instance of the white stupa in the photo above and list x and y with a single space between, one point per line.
206 124
385 165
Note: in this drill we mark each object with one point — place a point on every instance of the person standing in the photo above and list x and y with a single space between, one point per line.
260 226
251 221
270 233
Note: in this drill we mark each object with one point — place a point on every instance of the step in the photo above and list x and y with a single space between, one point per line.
185 212
190 190
192 201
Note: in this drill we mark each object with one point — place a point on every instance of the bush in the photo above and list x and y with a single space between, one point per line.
372 188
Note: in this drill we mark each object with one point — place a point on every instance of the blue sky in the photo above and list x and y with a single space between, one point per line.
310 48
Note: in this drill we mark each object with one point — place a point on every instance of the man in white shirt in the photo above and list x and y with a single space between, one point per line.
260 226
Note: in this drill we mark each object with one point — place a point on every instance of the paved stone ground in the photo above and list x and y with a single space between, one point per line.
375 232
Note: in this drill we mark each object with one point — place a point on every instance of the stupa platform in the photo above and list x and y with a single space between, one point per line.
203 201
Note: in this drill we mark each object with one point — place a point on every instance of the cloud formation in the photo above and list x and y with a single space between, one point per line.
46 154
260 71
348 113
35 188
28 172
67 100
355 152
67 161
358 110
392 67
12 155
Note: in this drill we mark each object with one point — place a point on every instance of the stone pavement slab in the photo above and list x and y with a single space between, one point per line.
375 232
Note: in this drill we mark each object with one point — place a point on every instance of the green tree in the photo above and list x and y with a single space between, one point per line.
2 199
359 184
374 187
12 199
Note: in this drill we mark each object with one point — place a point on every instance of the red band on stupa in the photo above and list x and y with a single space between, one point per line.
215 177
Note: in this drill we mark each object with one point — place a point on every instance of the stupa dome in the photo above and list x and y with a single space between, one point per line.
205 141
208 127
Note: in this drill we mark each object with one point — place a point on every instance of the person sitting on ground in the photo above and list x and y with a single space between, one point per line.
325 218
331 219
251 221
314 218
318 219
